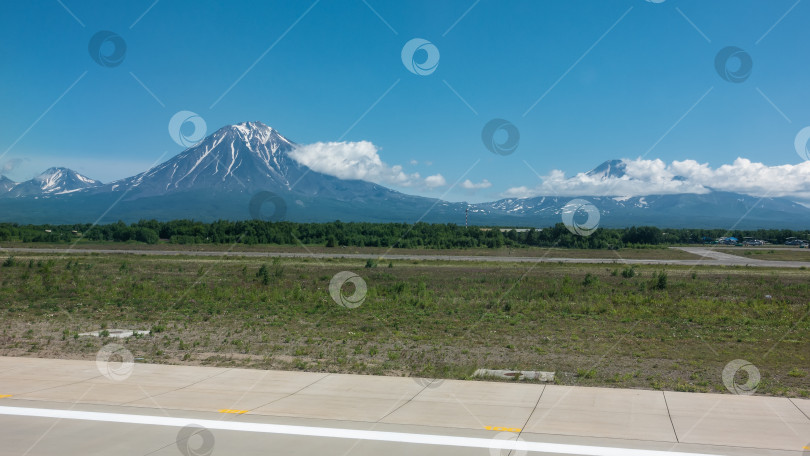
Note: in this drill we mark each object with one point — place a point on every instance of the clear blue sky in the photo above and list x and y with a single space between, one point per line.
653 65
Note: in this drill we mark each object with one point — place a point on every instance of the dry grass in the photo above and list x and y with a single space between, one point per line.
592 324
768 253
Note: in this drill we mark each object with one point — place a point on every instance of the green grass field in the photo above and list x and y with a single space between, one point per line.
670 328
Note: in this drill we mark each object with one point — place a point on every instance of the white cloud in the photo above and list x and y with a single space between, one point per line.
436 180
10 165
414 162
358 160
520 192
469 185
654 177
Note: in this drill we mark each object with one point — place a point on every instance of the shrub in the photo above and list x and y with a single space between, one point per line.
795 372
629 272
583 373
661 282
264 274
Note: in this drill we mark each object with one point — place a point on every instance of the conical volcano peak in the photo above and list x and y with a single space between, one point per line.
60 178
609 169
241 157
256 127
253 133
56 170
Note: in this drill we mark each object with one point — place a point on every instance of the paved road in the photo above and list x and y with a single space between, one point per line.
711 254
86 408
710 257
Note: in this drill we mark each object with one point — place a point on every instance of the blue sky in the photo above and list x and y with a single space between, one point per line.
614 79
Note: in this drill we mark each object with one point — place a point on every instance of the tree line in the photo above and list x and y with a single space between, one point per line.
360 234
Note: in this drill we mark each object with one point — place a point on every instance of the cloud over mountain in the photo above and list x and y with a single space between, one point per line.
436 180
470 185
359 160
10 165
221 178
654 177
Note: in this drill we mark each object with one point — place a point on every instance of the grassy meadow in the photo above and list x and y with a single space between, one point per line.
655 327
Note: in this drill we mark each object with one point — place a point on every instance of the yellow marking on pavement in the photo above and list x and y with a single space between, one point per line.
4 395
238 412
502 429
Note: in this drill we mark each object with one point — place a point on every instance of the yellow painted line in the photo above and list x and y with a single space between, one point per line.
502 429
806 448
4 395
238 412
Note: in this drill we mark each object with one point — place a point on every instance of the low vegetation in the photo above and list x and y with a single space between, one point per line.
394 235
640 326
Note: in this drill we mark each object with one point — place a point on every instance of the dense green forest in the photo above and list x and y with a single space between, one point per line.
401 235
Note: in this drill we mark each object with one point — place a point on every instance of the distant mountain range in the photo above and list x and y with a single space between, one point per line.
55 181
230 173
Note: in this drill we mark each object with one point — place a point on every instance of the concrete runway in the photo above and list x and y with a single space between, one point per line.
64 407
709 257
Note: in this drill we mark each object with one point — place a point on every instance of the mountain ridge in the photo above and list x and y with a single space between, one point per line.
53 181
217 177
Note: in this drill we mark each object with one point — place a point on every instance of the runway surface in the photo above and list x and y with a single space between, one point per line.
709 257
104 407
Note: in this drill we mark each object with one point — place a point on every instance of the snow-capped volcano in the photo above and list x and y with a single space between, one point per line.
57 180
241 158
54 181
232 158
221 177
608 170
